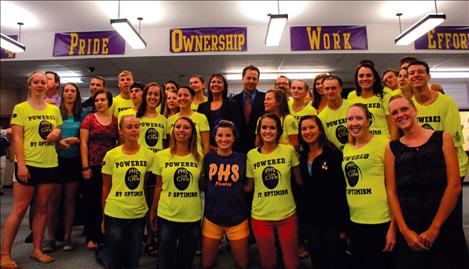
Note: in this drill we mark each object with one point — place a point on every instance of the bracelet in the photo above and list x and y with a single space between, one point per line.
85 168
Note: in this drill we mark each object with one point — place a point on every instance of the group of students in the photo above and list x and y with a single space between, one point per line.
266 163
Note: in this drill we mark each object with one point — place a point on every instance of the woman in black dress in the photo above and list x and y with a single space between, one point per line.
323 192
423 188
218 107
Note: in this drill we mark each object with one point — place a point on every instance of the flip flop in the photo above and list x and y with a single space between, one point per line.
44 258
9 264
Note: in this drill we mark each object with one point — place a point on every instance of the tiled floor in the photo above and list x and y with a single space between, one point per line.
82 258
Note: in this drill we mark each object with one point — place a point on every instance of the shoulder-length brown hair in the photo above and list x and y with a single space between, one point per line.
77 108
192 143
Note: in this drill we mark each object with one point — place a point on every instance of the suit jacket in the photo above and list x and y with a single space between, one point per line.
247 130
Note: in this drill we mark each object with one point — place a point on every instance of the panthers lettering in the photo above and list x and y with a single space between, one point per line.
225 202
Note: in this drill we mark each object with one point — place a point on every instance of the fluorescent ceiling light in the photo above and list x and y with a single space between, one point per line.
419 28
71 79
274 70
275 29
449 69
66 73
152 11
128 32
256 10
10 44
450 74
412 9
274 76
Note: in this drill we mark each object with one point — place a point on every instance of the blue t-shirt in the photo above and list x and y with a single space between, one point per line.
70 128
225 200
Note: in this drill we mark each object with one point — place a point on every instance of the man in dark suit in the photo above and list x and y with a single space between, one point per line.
249 106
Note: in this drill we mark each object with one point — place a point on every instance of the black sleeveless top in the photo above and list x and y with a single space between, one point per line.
420 182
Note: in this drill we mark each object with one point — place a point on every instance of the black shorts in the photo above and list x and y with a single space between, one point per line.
39 175
69 170
151 180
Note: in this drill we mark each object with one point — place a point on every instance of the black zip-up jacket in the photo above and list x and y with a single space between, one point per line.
323 193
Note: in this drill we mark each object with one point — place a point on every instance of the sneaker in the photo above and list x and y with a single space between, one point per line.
49 247
29 238
68 246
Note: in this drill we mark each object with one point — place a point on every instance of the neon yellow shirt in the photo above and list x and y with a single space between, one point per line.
377 107
195 106
152 132
273 198
201 125
289 127
180 196
307 110
125 113
120 104
353 94
334 122
126 199
443 114
365 187
37 125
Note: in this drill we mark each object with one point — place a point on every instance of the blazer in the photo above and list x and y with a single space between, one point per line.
247 130
225 114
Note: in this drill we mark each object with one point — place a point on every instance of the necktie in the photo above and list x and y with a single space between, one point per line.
247 107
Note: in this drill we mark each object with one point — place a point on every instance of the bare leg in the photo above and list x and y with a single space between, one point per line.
41 203
239 248
70 193
22 195
209 251
52 211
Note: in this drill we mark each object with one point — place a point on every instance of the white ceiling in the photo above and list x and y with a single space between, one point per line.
59 16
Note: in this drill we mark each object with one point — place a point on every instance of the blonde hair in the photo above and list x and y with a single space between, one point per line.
125 73
400 96
30 77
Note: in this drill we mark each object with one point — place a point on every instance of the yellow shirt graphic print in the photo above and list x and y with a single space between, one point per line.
126 199
334 122
273 199
365 187
120 104
152 132
180 195
37 125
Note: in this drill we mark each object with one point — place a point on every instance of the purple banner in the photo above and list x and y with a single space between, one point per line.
209 39
444 38
6 54
88 43
328 38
